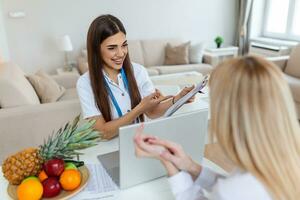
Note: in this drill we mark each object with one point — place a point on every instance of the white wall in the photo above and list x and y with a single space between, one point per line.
32 39
4 52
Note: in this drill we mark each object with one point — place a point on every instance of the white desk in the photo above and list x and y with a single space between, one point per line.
214 56
181 79
157 189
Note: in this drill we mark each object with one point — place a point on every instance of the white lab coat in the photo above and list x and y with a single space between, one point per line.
210 185
87 99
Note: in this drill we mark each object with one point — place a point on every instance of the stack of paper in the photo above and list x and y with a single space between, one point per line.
100 185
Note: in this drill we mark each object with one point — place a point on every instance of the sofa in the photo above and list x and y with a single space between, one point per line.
151 54
24 121
290 65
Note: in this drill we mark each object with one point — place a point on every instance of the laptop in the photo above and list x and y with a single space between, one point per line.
126 170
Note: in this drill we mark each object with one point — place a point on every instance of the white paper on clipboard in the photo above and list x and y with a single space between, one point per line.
186 97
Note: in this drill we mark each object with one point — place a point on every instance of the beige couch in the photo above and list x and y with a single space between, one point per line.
290 65
24 121
151 54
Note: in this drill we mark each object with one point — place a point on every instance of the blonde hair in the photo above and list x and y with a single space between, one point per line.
253 119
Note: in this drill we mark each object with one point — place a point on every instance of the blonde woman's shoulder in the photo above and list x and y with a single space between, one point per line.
240 185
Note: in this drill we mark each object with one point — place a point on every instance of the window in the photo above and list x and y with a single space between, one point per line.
296 21
282 19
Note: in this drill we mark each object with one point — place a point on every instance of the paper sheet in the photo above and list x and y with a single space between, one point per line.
100 185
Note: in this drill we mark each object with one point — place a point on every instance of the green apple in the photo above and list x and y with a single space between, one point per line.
70 165
31 177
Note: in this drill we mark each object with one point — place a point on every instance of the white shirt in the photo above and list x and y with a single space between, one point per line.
86 95
210 185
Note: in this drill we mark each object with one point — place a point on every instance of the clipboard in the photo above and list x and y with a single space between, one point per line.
186 97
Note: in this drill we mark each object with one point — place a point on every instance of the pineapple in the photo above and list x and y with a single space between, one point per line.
61 145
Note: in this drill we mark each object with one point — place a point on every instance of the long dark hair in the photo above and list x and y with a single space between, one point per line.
101 28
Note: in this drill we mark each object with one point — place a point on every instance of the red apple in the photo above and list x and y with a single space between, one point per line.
54 167
51 187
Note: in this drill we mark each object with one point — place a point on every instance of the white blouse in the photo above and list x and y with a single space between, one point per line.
210 185
86 95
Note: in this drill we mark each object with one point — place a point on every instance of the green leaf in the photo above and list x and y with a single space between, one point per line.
69 138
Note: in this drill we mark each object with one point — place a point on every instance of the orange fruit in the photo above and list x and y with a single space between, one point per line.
70 179
30 189
43 176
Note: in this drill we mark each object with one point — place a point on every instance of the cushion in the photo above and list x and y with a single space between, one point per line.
293 64
135 52
196 53
15 89
170 69
70 94
46 88
83 65
177 55
154 50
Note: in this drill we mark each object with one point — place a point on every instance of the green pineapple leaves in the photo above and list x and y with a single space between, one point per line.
64 143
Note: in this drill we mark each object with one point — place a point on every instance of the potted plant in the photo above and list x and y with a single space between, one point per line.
219 40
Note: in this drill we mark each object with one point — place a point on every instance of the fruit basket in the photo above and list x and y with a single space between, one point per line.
50 171
12 189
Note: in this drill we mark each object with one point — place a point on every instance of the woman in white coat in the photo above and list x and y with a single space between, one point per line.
253 119
116 92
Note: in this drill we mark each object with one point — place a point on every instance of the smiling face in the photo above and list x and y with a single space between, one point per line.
113 51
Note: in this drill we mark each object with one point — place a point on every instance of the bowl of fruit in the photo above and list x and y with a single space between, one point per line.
58 180
50 170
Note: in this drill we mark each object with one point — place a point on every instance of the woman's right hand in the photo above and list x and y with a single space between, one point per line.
151 101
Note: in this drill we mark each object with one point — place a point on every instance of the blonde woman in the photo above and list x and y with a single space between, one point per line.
254 120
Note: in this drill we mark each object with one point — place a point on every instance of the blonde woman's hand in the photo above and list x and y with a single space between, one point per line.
183 92
175 154
142 146
151 101
144 149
